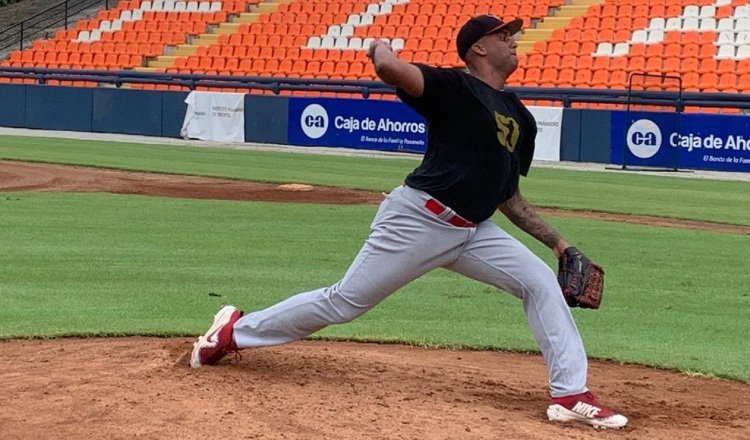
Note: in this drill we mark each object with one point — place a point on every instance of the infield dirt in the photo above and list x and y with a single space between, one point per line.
126 388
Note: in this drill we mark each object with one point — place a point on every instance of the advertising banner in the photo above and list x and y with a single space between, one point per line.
212 116
356 123
390 126
548 129
674 140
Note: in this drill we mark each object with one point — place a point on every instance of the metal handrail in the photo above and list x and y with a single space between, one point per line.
57 16
566 96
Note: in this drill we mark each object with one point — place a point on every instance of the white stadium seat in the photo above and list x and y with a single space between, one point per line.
743 52
726 37
604 49
347 30
707 11
742 11
620 49
707 24
334 30
639 36
688 24
742 24
673 24
366 20
313 42
83 36
353 19
397 44
341 43
725 51
655 36
656 23
215 6
742 38
180 6
355 43
327 43
725 24
691 11
145 6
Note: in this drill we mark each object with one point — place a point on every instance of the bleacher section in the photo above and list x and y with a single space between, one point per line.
586 44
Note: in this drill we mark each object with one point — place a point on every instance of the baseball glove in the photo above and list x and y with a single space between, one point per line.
581 281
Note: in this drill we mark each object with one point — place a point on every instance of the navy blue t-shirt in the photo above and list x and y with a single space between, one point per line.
479 141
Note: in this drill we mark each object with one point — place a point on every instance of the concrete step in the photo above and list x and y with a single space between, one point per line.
184 50
205 40
571 11
148 69
264 8
525 46
534 35
227 28
586 2
553 22
246 17
162 62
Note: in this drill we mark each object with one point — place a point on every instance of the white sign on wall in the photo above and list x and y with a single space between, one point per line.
212 116
548 132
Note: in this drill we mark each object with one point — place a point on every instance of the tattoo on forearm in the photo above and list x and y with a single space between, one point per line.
522 214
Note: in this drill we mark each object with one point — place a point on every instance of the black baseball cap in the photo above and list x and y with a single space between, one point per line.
481 25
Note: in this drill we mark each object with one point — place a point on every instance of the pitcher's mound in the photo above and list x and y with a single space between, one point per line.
142 388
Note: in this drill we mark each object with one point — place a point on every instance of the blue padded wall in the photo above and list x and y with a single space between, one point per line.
58 108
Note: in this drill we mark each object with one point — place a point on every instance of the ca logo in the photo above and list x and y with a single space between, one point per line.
644 138
314 121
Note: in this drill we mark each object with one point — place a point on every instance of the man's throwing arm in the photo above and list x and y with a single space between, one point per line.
394 71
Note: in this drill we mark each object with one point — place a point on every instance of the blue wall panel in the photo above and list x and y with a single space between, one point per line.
266 119
570 135
58 108
126 111
585 136
173 113
13 105
595 136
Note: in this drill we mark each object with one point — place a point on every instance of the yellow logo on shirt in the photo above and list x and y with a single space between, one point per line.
508 131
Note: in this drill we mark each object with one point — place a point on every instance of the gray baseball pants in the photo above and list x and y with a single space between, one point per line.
407 241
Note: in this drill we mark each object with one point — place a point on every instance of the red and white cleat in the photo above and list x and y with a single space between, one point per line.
584 408
218 340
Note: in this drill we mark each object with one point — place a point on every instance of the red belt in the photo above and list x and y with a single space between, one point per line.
437 208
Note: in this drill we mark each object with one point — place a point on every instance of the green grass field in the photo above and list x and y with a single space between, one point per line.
103 264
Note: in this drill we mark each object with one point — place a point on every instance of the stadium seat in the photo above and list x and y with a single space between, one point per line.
620 49
743 52
604 49
726 51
